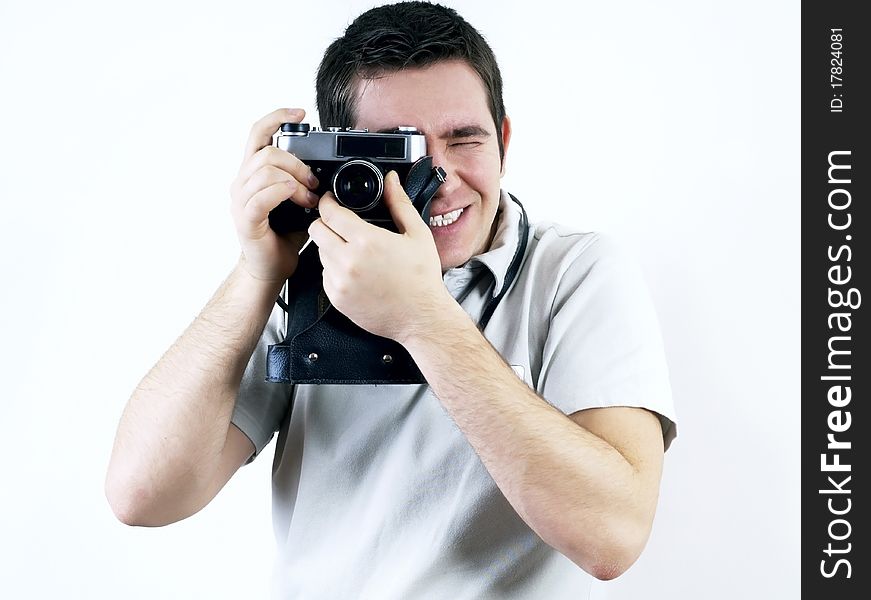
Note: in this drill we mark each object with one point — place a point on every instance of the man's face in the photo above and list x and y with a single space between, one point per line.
448 103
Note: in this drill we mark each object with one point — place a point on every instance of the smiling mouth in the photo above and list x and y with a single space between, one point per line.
445 219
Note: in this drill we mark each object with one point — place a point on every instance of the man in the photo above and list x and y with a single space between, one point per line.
537 445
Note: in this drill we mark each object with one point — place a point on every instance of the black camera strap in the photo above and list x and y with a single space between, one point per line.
513 267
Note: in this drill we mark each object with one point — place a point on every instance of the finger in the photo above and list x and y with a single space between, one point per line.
404 213
262 130
327 240
272 156
256 210
343 221
270 175
330 285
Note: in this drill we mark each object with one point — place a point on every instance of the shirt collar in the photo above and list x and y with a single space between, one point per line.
498 258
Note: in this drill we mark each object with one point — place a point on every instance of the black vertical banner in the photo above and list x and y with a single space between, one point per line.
836 300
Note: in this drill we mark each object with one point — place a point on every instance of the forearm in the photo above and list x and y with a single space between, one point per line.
174 427
575 490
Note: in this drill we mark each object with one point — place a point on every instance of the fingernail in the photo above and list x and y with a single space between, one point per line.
313 198
312 180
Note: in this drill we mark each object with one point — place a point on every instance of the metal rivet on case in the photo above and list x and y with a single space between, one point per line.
313 357
387 359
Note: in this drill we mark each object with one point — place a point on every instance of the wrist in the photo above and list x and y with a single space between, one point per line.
259 286
256 278
437 322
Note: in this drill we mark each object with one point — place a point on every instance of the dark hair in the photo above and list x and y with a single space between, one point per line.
398 36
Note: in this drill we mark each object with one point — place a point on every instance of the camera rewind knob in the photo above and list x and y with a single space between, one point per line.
295 128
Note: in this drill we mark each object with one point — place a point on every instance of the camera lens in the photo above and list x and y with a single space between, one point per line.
358 185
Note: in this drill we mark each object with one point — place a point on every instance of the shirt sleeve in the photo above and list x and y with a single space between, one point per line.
261 405
604 346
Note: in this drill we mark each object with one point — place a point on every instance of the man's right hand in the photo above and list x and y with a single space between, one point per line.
269 176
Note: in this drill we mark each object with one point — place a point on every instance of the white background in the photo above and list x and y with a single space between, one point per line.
673 125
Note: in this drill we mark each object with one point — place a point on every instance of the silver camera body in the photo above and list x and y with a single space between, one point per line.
352 164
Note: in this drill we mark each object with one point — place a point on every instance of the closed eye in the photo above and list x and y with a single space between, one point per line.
466 137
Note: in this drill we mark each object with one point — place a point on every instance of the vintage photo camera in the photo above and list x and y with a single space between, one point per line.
321 344
352 164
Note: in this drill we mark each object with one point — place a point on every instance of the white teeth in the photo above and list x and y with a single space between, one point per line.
445 219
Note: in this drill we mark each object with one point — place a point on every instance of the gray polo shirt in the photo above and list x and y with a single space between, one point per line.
376 492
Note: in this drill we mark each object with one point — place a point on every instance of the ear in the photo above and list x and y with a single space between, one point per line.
506 138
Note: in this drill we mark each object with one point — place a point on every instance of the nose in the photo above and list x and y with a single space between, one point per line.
452 181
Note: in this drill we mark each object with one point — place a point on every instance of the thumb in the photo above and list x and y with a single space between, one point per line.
404 214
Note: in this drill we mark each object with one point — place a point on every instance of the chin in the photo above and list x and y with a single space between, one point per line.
452 253
459 242
452 262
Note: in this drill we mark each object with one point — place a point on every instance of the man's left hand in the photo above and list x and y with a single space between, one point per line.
387 283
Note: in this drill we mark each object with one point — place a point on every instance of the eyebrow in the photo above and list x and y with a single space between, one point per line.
466 131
